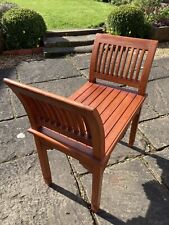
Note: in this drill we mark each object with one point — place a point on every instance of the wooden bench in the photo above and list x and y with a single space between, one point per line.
88 124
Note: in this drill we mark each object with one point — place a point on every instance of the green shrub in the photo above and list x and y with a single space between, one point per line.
5 6
164 13
120 2
126 20
22 28
148 6
161 18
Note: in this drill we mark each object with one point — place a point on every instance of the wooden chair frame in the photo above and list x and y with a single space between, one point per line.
88 124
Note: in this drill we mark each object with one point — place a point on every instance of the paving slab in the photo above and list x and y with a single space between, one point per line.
156 131
120 153
26 199
158 73
47 69
15 141
8 73
63 87
159 164
158 97
85 73
162 62
6 111
147 111
82 61
131 196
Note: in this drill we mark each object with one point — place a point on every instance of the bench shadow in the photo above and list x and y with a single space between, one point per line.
6 73
156 193
102 213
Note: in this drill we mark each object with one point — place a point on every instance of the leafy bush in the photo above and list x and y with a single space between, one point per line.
120 2
126 20
22 28
161 18
5 6
148 6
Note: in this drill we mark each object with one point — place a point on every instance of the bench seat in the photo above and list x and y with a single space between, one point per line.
115 106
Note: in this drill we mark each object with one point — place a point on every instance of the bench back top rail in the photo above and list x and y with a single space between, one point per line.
69 118
123 60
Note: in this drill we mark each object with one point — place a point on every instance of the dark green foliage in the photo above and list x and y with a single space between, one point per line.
126 20
104 0
22 28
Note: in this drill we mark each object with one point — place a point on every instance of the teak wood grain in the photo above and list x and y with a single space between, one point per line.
88 124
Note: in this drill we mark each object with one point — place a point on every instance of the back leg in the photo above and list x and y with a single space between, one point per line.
133 130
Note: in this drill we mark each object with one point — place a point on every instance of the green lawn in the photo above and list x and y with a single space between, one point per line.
68 13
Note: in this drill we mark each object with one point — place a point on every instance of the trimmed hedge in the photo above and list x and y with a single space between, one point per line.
126 20
22 28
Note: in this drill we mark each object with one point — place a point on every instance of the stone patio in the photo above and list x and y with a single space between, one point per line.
136 180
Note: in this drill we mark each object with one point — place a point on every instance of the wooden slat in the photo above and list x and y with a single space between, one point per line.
75 120
86 93
123 62
51 114
119 80
57 119
114 61
113 136
106 102
42 110
80 90
128 63
100 55
81 125
112 106
134 63
116 115
101 97
109 59
94 95
118 61
139 62
104 59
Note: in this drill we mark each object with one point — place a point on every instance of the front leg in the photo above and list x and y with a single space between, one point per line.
44 161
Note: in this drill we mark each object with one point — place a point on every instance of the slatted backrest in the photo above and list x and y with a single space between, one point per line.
62 115
123 60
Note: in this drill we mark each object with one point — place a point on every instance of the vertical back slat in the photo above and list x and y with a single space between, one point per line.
128 63
82 127
123 62
109 59
118 61
114 61
100 55
139 62
104 59
134 63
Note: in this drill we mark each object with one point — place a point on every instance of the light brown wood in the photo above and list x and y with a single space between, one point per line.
88 124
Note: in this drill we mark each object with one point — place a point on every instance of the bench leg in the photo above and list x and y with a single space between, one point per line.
133 130
44 162
96 189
